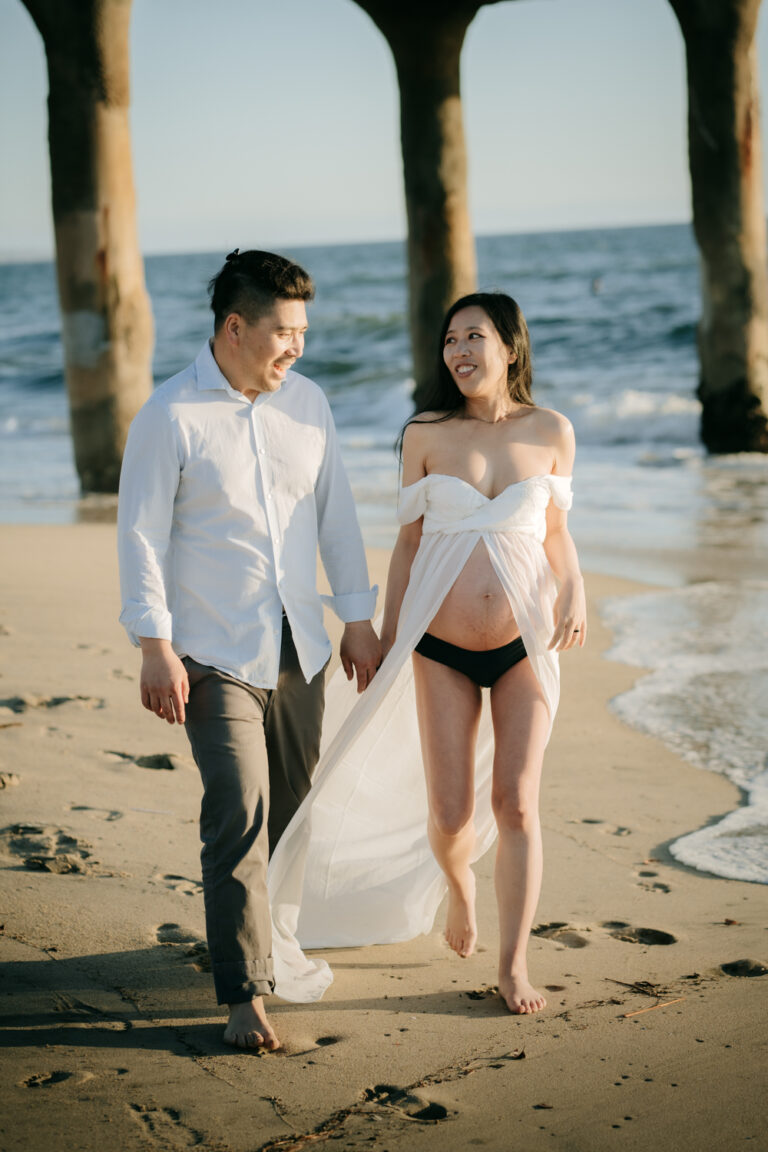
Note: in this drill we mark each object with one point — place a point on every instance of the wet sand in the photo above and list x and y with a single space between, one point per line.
654 1034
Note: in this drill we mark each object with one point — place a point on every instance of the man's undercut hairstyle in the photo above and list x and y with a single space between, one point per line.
251 282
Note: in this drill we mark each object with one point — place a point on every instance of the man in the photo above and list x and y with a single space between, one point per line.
231 478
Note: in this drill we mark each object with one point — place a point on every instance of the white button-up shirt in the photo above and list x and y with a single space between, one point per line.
223 503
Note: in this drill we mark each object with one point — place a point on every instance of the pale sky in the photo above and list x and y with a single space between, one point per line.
259 123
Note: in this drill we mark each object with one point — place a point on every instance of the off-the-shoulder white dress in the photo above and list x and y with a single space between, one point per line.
354 866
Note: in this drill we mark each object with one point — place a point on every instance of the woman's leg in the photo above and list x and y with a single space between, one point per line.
448 705
521 723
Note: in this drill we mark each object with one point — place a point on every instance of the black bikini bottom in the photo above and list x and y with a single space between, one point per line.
484 667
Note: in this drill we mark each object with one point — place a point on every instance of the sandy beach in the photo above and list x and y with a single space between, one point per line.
654 1036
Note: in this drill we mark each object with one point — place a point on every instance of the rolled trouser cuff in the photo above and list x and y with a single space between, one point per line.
239 981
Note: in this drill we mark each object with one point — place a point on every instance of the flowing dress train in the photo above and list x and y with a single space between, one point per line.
354 866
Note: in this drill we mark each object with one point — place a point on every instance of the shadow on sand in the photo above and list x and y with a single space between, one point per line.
158 998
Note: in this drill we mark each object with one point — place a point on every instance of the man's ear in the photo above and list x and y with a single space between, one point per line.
233 329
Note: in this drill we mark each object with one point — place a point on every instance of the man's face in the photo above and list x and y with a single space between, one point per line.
270 345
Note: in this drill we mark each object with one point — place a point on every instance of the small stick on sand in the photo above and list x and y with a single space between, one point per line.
639 1011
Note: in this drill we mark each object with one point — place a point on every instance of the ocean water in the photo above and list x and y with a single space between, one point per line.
612 315
705 647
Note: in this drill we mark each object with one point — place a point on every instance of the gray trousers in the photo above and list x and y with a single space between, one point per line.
256 749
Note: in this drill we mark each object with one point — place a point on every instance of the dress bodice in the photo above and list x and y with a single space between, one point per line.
450 504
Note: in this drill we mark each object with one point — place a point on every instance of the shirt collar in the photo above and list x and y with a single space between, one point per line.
210 376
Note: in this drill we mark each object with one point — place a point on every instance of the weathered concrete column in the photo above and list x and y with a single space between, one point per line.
728 220
106 319
426 40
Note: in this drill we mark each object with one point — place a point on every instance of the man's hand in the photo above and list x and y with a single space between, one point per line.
360 652
164 681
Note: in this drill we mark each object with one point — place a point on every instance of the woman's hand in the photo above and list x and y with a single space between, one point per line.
387 642
570 612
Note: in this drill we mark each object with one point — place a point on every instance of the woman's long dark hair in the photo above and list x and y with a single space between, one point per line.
443 394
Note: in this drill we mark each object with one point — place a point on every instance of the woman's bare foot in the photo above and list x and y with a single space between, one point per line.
460 923
520 996
248 1026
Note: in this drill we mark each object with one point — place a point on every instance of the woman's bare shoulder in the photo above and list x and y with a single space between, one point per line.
425 419
426 424
556 429
421 439
555 432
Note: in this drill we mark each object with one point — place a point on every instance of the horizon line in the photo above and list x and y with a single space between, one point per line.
29 256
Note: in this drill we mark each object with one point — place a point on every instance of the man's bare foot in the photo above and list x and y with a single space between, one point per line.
248 1026
460 923
520 996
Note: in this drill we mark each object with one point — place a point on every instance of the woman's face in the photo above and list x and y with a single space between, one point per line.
475 354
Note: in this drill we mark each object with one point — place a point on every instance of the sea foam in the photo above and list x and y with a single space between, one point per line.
706 646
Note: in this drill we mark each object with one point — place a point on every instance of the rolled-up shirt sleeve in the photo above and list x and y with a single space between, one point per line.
148 484
340 541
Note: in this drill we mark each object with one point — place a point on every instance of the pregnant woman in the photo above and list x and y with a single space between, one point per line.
488 464
472 603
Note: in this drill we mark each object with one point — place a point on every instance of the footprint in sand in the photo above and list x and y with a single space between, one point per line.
120 674
307 1045
744 968
194 948
60 865
45 1079
609 829
486 992
92 649
97 813
630 935
409 1103
647 882
8 780
561 933
20 704
181 884
57 733
200 956
175 934
158 761
163 1127
46 849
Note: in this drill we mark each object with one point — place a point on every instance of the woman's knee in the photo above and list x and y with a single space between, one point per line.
451 819
513 809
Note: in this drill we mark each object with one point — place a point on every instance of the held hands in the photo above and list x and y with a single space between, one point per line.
360 652
387 643
164 681
570 611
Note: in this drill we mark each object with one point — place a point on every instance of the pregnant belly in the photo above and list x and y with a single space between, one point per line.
476 613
